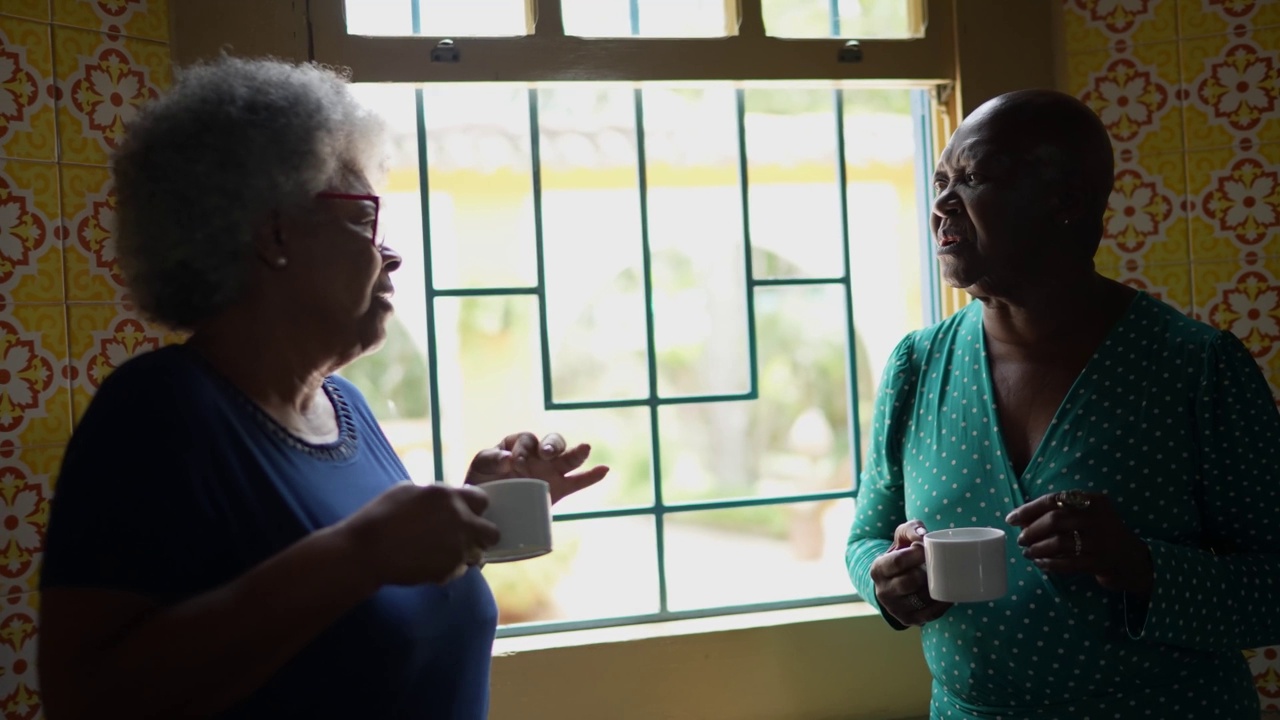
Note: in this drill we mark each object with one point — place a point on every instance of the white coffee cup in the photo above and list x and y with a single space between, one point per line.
521 508
966 564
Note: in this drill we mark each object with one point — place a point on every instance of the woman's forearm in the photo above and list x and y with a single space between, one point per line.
207 653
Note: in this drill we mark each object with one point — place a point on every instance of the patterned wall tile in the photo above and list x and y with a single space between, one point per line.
35 404
1234 200
27 126
102 338
1095 24
1146 220
1232 89
1197 18
1169 284
19 688
26 484
30 9
1264 663
1135 94
30 251
102 81
1243 297
88 212
147 19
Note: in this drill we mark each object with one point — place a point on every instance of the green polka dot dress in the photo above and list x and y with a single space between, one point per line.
1175 422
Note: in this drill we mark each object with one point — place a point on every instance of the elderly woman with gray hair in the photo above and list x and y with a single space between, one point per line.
232 534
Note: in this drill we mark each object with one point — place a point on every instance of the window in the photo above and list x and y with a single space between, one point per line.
702 277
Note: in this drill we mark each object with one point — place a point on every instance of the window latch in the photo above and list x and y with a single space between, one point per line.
850 53
445 52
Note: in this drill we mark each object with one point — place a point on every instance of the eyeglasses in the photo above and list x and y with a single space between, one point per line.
377 207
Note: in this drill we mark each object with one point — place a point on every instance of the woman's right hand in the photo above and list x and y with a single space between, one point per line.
414 534
902 588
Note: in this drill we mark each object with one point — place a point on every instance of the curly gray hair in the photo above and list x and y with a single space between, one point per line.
233 140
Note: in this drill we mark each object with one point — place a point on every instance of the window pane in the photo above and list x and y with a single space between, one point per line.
646 18
395 380
591 219
438 17
792 171
886 276
479 167
696 240
844 18
619 438
598 569
795 437
716 558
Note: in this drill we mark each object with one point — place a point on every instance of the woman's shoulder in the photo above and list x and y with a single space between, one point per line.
1170 327
152 386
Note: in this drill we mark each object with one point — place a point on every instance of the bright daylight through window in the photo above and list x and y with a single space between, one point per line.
702 279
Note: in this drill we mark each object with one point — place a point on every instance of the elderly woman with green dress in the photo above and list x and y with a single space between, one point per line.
1131 454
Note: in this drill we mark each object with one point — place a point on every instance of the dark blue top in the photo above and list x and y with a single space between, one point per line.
175 483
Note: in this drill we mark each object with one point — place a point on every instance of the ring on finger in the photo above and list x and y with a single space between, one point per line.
916 602
1072 499
1075 534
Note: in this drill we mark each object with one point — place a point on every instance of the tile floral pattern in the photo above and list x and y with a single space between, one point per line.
34 393
1189 91
72 73
147 19
26 486
102 81
26 91
102 338
30 252
19 687
88 207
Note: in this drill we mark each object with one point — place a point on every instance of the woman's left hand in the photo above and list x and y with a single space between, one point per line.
523 455
1081 532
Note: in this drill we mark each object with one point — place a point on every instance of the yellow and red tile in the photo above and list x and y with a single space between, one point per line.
19 687
147 19
1197 18
1146 219
1095 24
35 396
102 81
27 125
1170 283
30 251
27 477
1234 202
29 9
103 337
1232 89
1264 663
88 212
1244 298
1135 92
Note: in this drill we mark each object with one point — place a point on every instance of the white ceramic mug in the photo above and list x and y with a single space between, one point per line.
966 564
521 508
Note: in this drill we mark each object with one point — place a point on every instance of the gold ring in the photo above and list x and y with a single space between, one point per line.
1079 543
916 602
1073 499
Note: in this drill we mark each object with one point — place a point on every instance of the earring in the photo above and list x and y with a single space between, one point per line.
280 262
1064 222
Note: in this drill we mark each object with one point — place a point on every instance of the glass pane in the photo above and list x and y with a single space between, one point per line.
490 377
591 219
696 240
887 281
479 167
619 438
598 569
844 18
395 380
795 437
793 182
646 18
438 17
716 558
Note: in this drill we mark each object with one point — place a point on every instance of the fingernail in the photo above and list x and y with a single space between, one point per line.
1012 518
1021 541
1027 553
548 448
920 531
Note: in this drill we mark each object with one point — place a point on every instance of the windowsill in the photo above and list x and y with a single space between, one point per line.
503 647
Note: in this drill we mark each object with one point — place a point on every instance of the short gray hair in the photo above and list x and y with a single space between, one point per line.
232 141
